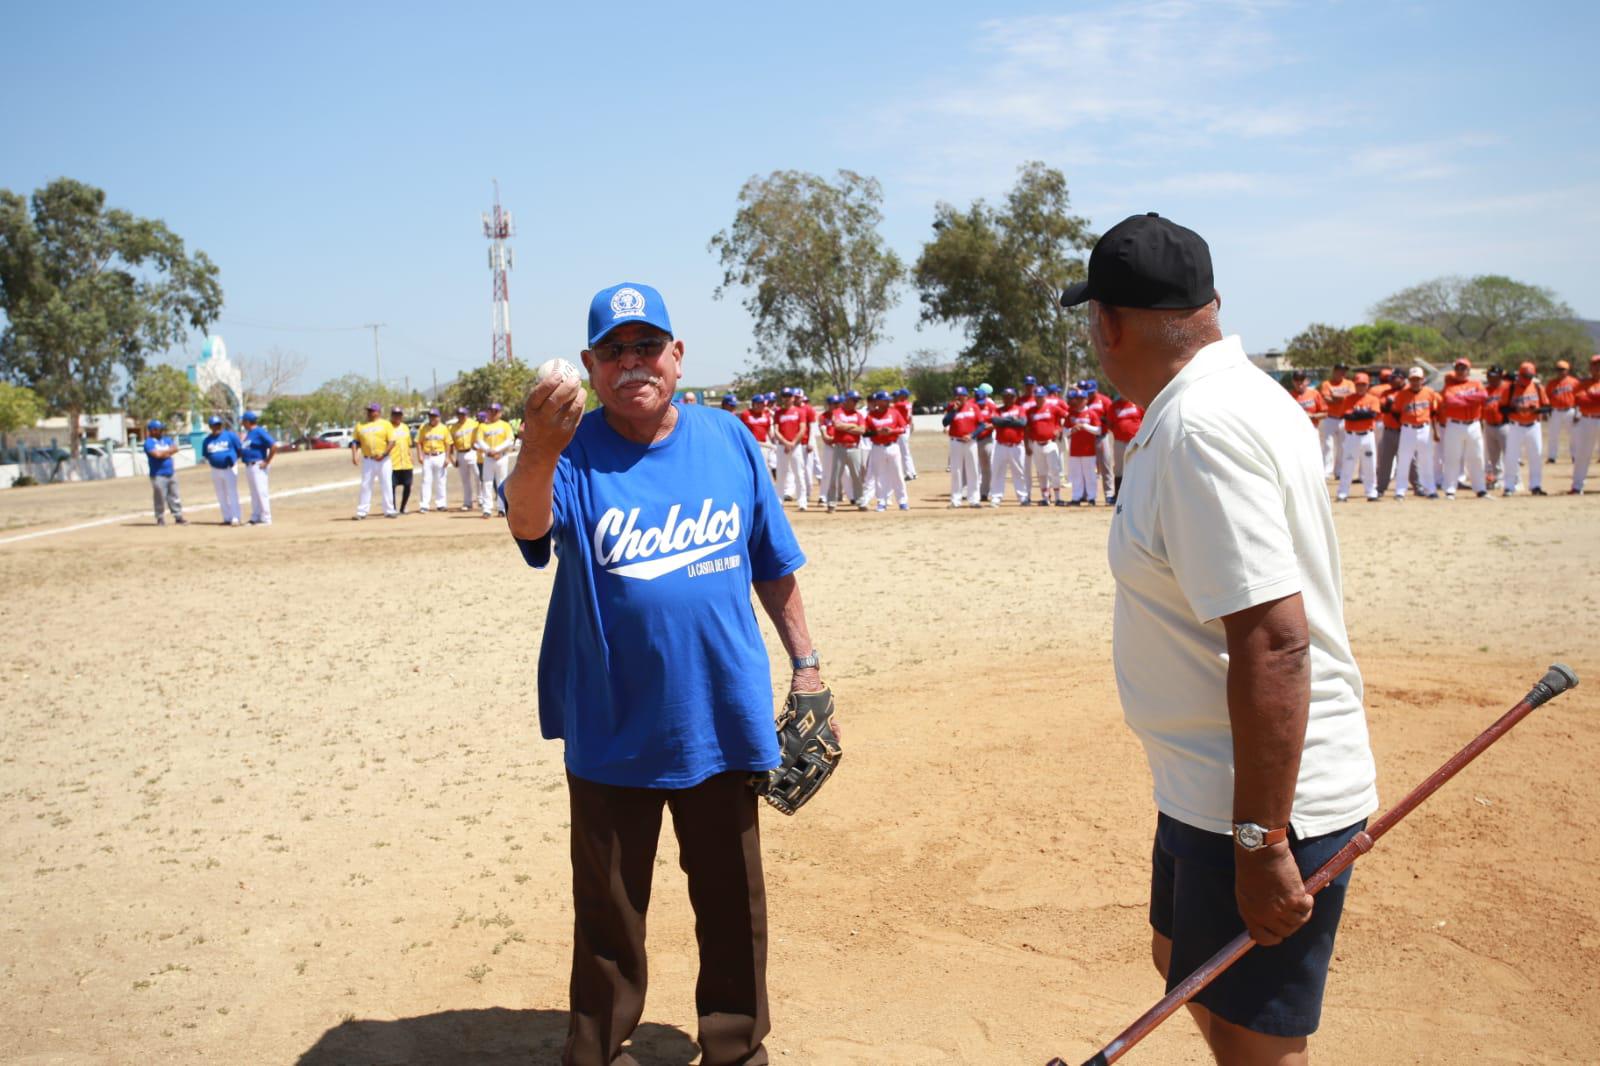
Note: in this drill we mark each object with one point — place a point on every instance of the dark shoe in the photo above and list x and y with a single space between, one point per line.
182 521
1539 492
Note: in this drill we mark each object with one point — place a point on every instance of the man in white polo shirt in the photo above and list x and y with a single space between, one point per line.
1229 643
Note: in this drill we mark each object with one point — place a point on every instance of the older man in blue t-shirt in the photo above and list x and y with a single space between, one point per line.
653 669
159 450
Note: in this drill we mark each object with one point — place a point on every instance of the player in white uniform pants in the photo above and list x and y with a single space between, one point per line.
793 482
493 443
885 477
1358 444
374 445
1461 443
1416 442
1009 423
221 448
961 423
1586 427
902 403
463 431
1525 440
434 435
259 451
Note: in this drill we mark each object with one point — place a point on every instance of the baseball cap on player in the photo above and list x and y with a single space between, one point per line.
1363 379
835 398
880 396
1008 391
374 406
397 410
1416 373
903 393
1527 370
492 407
1593 359
1464 361
1030 380
729 397
1053 388
1562 364
249 416
852 395
1299 375
461 410
155 423
213 421
985 389
433 412
1147 261
1038 390
621 304
759 397
960 390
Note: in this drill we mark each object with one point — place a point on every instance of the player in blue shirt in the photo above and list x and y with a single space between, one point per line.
258 451
222 448
159 450
653 670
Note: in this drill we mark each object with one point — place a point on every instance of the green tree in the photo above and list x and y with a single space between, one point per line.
86 290
930 375
20 407
506 382
1320 345
163 392
821 279
997 273
886 378
346 397
1490 316
301 416
1395 343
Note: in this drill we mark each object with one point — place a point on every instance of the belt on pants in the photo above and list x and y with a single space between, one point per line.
1463 421
1358 432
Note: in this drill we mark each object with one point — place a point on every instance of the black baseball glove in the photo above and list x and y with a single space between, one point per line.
807 747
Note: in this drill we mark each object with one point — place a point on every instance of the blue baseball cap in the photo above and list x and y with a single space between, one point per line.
621 304
961 390
1077 394
213 421
1030 380
759 397
852 395
249 416
985 389
155 423
902 392
834 397
1054 388
1091 384
374 406
880 395
1038 390
1008 391
729 397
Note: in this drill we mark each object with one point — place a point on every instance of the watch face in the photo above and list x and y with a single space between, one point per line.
1249 835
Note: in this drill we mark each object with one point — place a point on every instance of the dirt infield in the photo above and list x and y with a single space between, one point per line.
277 795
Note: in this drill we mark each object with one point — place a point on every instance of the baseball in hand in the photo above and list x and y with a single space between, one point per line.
559 367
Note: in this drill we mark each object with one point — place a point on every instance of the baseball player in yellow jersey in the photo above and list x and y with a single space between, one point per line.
400 462
493 442
375 442
433 441
463 431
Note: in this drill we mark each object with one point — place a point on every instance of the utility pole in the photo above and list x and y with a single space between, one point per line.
498 227
377 357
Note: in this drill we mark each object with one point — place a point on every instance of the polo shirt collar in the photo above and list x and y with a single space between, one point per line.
1213 358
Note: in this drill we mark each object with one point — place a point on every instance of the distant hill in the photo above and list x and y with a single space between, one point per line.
1593 327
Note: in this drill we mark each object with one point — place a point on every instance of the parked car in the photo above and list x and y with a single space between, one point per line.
335 438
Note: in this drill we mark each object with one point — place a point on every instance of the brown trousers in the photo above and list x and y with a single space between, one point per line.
614 836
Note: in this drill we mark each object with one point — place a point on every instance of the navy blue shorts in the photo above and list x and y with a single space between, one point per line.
1276 990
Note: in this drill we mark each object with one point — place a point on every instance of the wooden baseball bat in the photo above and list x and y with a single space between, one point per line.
1558 679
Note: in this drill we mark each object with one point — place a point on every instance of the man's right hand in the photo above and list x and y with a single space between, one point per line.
550 417
1270 895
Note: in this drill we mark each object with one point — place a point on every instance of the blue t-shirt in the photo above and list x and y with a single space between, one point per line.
222 449
158 467
257 445
653 668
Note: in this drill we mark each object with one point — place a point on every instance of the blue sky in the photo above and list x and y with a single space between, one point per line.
334 159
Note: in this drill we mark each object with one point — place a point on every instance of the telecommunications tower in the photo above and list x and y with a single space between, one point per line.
498 227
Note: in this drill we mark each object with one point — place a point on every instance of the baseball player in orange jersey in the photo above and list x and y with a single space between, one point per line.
1358 449
1460 412
885 426
1563 393
902 403
1310 400
1416 406
1524 403
1494 426
1586 426
1336 393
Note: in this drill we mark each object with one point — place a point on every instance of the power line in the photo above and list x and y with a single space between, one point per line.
289 329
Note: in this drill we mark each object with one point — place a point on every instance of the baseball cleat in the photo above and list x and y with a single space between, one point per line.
1539 491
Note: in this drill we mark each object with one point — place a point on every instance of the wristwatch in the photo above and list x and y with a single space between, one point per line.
1253 837
806 662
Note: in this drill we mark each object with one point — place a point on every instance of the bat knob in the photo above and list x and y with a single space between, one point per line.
1559 678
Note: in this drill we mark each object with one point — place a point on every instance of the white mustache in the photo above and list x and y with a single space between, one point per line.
638 373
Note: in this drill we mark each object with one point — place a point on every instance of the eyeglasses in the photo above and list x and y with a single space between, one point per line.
648 348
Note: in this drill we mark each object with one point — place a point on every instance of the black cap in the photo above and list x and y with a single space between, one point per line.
1149 262
1341 366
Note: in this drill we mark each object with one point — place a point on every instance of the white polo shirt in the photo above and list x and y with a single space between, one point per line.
1223 506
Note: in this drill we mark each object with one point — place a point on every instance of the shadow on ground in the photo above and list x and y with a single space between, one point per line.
495 1036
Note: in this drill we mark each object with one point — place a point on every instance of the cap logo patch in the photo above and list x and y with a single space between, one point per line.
627 303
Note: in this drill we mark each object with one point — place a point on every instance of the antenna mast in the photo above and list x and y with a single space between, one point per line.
498 227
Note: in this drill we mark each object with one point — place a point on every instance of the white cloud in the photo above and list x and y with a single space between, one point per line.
1420 160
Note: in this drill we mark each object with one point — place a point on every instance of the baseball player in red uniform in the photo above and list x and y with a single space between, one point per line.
1044 431
1084 429
758 420
902 403
1100 403
794 481
1126 418
885 427
1586 426
961 423
1460 422
1563 393
1524 403
843 432
1010 429
984 437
